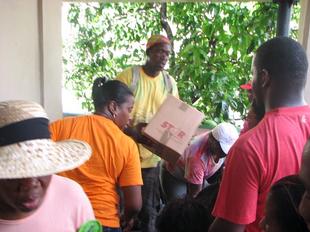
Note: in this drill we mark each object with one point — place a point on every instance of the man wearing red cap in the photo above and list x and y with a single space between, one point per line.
253 116
150 85
248 87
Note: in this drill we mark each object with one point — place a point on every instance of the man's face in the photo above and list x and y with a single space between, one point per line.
158 56
304 206
250 95
214 148
257 91
21 197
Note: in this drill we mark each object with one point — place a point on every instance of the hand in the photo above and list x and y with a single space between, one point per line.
139 128
127 225
136 132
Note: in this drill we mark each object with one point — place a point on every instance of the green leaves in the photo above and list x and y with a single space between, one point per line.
214 42
215 58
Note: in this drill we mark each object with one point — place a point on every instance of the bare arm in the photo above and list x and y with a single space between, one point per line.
220 225
193 189
132 206
136 133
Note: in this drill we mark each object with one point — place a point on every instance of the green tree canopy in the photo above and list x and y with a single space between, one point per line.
213 46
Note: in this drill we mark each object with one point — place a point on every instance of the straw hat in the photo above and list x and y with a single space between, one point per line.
26 149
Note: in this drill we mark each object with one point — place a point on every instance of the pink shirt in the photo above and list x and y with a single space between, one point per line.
263 155
64 209
196 164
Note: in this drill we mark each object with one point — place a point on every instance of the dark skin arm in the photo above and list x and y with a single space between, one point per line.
136 133
220 225
132 206
193 189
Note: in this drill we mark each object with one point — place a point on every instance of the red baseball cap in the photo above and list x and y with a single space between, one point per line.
247 86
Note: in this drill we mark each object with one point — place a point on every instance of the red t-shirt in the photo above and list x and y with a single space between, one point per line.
260 157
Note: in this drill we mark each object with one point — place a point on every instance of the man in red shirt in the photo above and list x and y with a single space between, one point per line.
273 148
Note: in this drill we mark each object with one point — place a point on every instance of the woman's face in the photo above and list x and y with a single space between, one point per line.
123 112
21 197
269 223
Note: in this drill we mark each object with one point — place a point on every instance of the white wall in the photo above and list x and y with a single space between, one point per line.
19 60
30 52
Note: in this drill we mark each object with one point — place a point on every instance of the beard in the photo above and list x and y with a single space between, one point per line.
259 110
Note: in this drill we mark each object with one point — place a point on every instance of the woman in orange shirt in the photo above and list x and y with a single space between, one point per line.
115 159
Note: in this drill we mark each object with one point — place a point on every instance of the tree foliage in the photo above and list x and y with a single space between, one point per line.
213 46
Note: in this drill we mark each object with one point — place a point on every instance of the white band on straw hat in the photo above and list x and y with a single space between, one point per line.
29 153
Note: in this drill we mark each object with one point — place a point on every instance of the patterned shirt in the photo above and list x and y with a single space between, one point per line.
196 164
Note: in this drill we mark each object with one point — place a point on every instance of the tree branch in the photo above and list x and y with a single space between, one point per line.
167 28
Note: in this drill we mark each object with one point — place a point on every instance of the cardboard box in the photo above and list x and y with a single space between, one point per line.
172 127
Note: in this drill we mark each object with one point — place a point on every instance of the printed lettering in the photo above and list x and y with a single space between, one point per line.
181 134
173 130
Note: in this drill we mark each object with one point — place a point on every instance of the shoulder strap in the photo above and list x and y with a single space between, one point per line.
135 77
168 83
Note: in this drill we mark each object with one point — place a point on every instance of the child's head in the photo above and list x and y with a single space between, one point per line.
282 206
183 215
304 174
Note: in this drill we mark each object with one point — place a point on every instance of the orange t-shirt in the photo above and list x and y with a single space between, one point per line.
114 162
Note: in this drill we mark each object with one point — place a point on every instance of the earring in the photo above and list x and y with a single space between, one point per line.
114 115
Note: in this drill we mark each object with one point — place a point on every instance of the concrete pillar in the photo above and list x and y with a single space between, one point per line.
50 43
304 38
